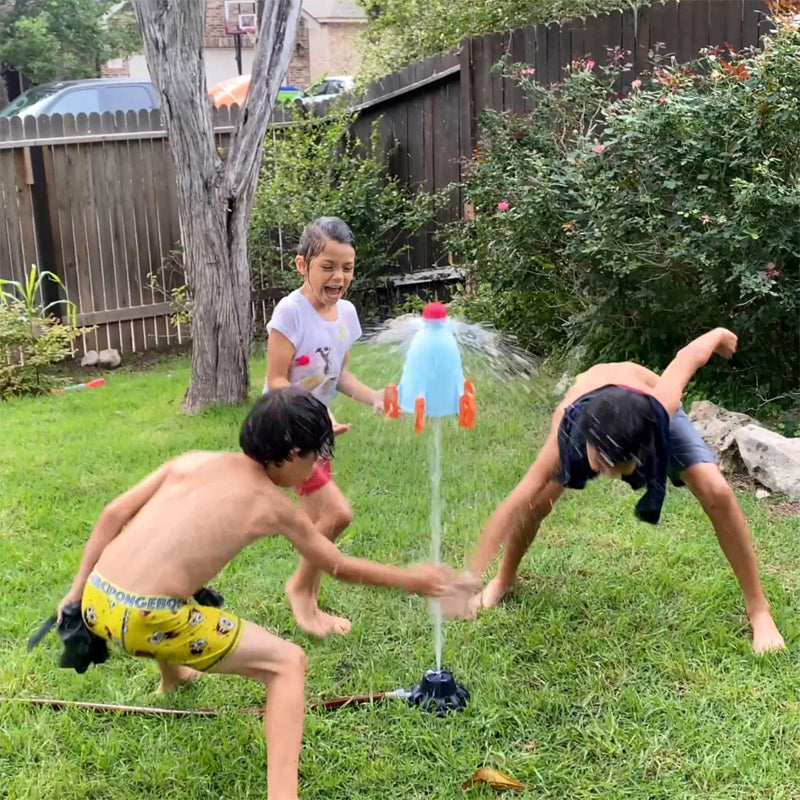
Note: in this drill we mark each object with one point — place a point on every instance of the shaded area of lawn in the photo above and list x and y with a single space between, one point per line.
620 668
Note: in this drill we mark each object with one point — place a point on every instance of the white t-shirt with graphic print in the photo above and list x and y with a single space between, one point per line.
319 345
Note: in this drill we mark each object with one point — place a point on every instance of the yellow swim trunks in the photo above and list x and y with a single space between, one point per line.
164 628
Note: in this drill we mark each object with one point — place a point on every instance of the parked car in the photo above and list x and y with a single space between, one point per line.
326 89
87 97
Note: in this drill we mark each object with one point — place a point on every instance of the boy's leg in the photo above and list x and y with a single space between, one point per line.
280 666
527 514
331 513
719 502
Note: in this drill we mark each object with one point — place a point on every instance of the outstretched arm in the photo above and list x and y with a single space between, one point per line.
353 387
431 580
672 383
511 515
114 517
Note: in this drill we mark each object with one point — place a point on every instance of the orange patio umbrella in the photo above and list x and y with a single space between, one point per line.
230 92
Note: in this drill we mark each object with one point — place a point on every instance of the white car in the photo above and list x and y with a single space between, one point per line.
326 89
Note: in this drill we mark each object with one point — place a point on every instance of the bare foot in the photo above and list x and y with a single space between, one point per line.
173 676
492 594
308 615
766 636
334 624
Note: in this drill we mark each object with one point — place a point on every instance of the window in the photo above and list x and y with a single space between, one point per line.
80 101
125 98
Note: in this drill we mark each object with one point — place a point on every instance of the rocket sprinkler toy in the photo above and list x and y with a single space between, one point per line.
432 384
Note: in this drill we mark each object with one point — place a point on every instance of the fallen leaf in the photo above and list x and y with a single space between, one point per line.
494 778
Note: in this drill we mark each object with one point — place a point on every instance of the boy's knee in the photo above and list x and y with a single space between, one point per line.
716 494
293 660
341 516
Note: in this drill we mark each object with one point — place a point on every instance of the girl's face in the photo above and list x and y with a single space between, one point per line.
327 275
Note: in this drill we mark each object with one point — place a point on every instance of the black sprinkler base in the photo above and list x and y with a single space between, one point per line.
438 692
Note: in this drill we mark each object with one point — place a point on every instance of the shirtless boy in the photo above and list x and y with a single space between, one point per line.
624 421
156 545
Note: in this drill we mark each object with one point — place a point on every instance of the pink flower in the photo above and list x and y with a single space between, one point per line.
771 271
590 65
662 100
637 84
706 219
503 205
599 148
528 71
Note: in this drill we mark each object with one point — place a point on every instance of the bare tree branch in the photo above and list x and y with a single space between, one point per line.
276 36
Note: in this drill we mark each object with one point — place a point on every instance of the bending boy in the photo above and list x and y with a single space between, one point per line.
624 421
157 544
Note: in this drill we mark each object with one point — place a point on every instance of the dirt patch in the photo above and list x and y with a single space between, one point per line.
789 508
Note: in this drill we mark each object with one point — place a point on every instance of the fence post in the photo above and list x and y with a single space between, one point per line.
467 126
43 230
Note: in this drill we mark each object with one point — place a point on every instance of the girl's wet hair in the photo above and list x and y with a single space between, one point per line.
283 421
315 234
620 423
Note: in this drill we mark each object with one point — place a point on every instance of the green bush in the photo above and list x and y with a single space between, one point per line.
633 224
28 349
31 339
318 169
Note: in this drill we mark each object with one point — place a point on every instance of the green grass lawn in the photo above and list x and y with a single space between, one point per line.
621 667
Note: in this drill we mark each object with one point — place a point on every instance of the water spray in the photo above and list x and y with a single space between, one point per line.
432 386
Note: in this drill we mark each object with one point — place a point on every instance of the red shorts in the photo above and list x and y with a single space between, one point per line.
319 478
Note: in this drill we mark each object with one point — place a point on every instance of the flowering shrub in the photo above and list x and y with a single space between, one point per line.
632 224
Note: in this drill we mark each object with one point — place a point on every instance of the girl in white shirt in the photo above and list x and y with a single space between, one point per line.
310 334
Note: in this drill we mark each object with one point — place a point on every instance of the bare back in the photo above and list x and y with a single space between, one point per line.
208 508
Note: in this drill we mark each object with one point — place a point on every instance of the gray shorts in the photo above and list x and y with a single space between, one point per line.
687 445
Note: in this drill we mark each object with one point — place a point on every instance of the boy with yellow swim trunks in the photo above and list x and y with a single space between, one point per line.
160 542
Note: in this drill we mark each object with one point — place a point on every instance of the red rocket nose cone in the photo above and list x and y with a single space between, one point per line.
434 311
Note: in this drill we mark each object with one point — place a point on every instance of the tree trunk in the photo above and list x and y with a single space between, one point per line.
215 197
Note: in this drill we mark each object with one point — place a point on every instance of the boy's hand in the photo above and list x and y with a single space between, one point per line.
456 602
338 427
429 580
727 343
68 599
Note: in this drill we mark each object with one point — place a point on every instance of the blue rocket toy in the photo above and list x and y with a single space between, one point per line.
432 384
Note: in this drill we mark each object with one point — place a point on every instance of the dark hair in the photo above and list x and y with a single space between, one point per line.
316 233
284 420
620 423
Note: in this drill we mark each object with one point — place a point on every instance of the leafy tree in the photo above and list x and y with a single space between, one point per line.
403 31
65 39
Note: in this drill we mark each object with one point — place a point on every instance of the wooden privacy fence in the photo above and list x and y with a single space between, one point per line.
94 200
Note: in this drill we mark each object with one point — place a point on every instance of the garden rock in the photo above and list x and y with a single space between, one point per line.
90 358
109 358
717 426
771 459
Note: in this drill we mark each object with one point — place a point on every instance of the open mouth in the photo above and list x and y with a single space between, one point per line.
333 292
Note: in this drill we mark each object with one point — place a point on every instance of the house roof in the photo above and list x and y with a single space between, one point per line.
333 9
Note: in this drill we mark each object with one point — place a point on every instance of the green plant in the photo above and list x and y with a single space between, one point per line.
29 293
317 168
632 224
31 338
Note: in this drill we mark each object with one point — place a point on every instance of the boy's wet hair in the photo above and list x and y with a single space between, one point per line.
620 424
316 233
285 420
